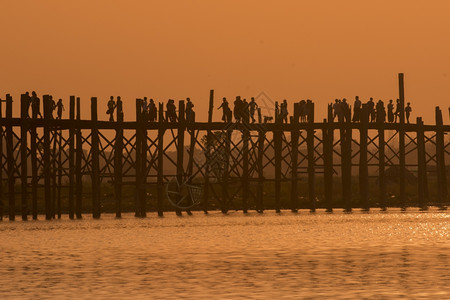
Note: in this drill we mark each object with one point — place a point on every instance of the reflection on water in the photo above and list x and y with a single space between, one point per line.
253 256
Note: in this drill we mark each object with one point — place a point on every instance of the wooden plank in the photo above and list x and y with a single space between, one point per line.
10 160
71 157
95 172
311 160
24 155
78 160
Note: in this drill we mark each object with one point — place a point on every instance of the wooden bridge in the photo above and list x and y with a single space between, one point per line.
236 164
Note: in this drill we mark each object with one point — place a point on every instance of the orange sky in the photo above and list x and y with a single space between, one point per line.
176 49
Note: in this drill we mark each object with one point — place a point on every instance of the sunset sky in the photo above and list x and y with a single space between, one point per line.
320 50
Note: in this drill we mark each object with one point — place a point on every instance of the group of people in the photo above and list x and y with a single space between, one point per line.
243 111
377 112
150 111
34 102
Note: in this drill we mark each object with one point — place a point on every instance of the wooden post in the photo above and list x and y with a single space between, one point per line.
381 166
160 175
54 133
138 162
78 157
180 147
421 165
1 161
47 162
363 167
260 191
328 133
95 175
71 157
225 196
440 160
346 161
60 166
118 153
311 158
401 139
294 158
208 152
10 159
144 149
24 154
245 175
34 166
277 140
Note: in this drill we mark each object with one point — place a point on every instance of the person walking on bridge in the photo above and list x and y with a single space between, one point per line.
226 111
111 107
253 107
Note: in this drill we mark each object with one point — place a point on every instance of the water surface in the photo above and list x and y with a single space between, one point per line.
234 256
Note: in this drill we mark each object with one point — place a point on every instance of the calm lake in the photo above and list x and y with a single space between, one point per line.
234 256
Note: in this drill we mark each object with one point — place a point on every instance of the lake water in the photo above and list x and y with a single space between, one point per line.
234 256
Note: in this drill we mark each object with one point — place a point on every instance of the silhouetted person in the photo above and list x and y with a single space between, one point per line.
152 111
284 111
371 109
119 109
309 109
190 114
59 109
302 110
381 112
390 111
253 106
111 107
171 111
35 105
28 102
357 110
245 112
145 109
397 111
345 110
338 110
226 111
238 108
277 111
408 110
